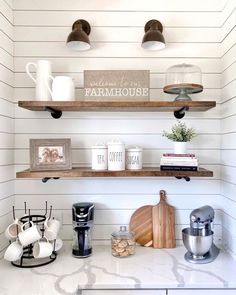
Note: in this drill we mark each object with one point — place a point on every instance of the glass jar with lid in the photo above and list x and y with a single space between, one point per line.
122 243
183 79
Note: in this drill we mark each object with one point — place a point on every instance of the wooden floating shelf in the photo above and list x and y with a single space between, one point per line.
117 106
88 172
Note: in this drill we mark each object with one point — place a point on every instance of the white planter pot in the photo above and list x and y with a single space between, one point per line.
180 147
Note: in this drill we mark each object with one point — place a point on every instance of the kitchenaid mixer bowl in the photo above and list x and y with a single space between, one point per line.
197 243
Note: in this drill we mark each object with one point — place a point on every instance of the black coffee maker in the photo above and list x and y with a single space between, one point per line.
83 216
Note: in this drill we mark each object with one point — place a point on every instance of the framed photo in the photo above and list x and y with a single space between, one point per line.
50 154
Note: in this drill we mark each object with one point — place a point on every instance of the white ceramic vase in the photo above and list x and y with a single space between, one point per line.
180 147
43 71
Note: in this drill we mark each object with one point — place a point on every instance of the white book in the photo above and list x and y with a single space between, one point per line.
165 163
179 159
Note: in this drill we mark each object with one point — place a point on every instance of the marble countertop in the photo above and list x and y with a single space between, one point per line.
148 268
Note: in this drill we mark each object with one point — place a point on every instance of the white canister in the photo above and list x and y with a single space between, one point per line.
134 159
99 157
116 155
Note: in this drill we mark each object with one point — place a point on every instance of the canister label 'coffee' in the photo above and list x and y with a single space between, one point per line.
116 156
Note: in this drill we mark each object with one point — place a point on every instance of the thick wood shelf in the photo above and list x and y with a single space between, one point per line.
117 106
87 172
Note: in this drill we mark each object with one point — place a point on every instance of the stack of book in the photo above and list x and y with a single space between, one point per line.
179 162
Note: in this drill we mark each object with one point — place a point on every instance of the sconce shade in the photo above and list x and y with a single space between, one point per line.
78 38
153 38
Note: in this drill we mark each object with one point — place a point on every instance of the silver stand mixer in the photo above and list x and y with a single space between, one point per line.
198 238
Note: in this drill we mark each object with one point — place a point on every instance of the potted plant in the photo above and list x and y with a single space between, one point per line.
180 135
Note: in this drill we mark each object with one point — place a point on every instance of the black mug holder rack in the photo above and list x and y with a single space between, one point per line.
27 260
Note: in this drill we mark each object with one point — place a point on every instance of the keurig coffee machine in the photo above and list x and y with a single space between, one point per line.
83 216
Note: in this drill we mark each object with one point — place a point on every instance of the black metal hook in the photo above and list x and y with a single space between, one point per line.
13 212
50 212
180 113
25 208
46 208
56 114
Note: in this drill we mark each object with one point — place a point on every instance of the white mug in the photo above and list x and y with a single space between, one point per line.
63 88
14 251
52 228
42 248
43 71
29 235
13 230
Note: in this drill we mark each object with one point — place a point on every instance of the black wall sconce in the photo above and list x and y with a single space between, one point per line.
78 39
153 38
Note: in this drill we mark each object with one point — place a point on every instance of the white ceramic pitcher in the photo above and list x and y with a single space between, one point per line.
63 88
43 72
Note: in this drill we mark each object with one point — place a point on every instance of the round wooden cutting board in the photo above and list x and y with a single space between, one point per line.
141 225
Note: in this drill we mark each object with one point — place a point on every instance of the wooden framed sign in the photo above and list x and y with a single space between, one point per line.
117 85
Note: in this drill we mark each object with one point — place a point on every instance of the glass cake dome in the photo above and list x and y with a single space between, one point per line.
183 79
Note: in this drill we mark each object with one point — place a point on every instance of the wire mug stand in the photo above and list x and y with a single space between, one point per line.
27 260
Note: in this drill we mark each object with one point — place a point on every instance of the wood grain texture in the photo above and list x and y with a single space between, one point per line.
141 225
117 106
163 222
87 172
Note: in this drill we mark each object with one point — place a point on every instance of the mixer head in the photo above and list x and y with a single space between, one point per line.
202 217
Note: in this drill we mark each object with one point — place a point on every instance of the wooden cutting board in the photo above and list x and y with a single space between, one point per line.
163 223
141 225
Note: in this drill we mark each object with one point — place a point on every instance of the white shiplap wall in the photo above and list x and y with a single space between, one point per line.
41 28
6 118
228 126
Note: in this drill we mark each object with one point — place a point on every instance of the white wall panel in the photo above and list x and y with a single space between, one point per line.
157 80
132 5
114 50
117 126
113 18
7 174
155 95
41 28
79 64
151 157
115 34
228 58
228 91
228 126
6 26
6 108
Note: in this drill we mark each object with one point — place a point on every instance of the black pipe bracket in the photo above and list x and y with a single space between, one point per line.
187 178
56 114
46 179
181 112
